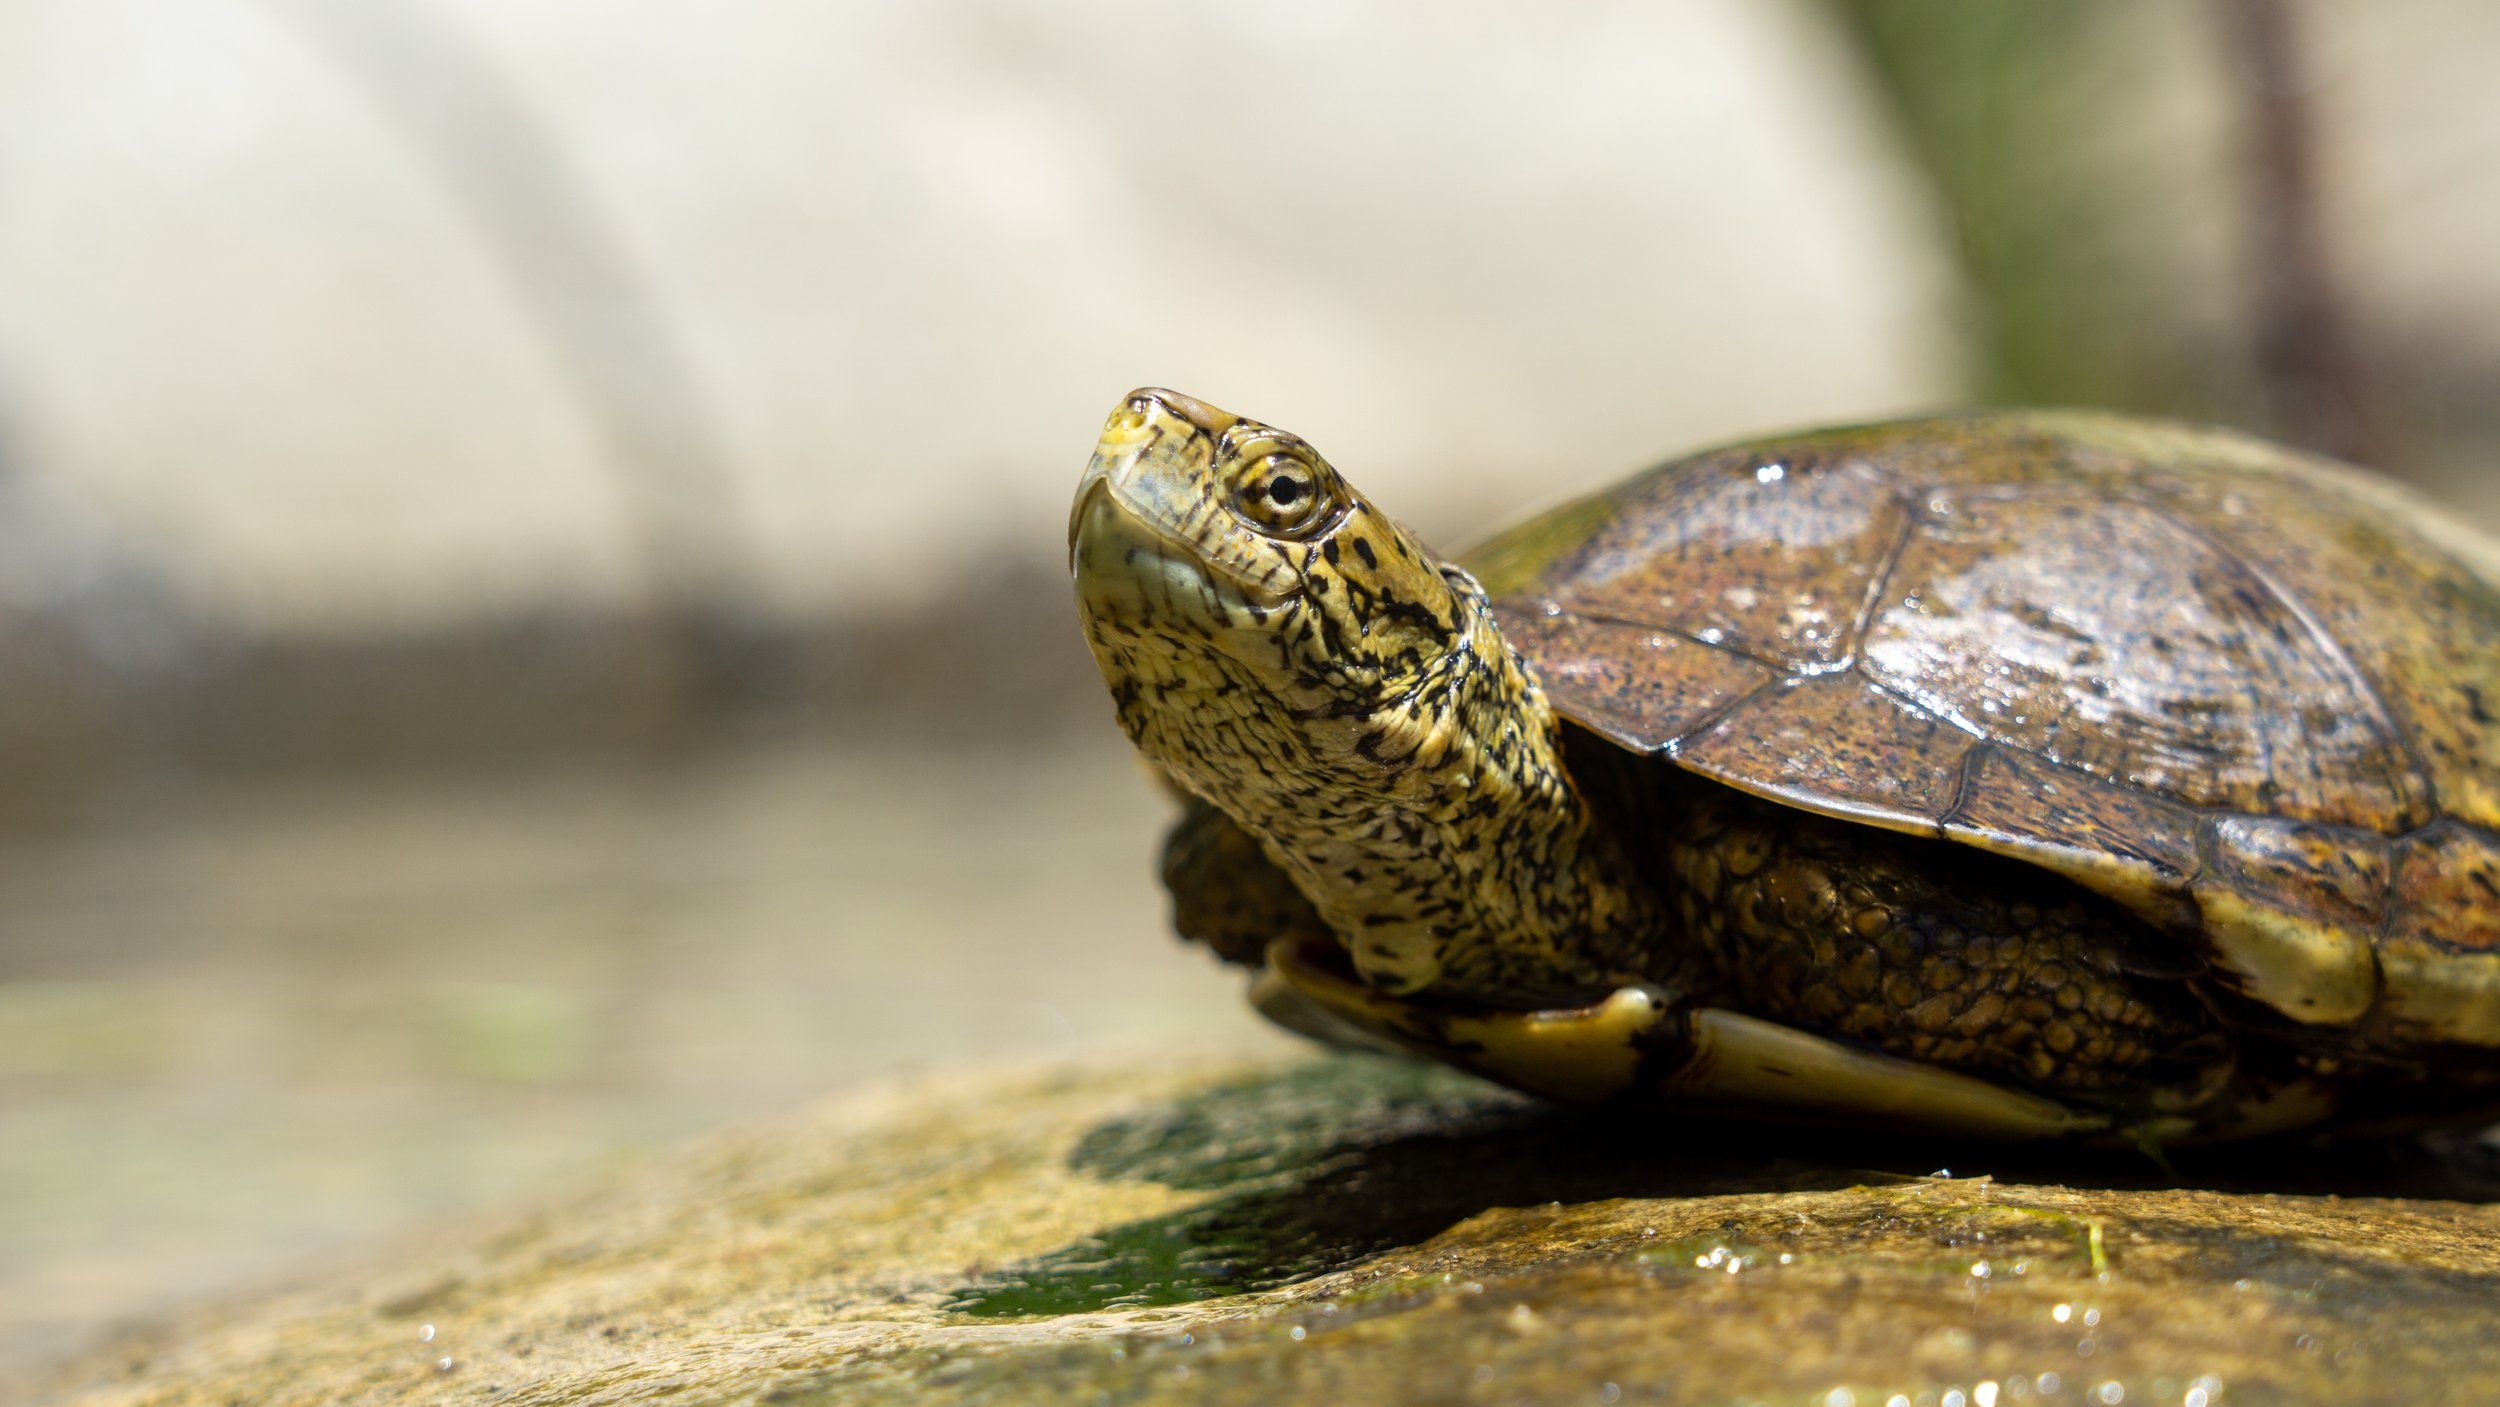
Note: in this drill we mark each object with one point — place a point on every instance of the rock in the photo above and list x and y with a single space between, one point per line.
1333 1229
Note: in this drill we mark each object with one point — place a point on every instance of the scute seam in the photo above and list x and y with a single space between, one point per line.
1880 584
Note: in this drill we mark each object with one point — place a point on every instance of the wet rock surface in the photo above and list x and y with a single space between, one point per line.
1349 1229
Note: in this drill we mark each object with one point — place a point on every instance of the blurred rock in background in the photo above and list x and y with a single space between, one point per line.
449 364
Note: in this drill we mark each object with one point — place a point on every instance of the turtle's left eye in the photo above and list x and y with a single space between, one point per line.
1280 495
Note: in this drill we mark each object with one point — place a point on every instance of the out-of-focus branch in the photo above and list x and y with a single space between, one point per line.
2069 277
2314 385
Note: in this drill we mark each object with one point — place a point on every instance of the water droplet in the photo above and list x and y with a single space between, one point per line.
2110 1393
1770 473
1609 1392
1984 1395
1979 1270
445 1365
2062 1313
1840 1397
1898 1399
2091 1318
1299 1333
426 1334
1953 1398
2049 1383
2195 1398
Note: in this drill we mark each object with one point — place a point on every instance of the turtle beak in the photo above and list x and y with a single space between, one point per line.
1091 493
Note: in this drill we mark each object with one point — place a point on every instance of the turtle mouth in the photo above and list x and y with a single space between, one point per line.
1129 572
1133 566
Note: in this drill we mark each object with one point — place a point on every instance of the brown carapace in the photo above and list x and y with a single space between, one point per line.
2022 774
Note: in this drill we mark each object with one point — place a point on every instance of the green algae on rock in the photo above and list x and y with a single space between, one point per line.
1258 1231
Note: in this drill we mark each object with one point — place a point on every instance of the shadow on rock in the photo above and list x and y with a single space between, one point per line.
1322 1165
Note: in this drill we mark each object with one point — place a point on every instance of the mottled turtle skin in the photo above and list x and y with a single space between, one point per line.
2026 774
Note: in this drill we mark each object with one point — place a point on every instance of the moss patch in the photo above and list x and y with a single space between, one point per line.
1345 1229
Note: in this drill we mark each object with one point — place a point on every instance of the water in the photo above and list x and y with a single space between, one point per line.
244 1023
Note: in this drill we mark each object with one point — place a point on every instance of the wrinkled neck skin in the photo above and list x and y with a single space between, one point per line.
1425 811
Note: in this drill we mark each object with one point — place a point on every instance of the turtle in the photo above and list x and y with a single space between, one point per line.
2008 774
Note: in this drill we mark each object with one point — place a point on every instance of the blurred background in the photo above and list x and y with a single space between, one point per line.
532 614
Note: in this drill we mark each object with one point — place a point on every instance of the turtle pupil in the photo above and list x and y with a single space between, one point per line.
1284 492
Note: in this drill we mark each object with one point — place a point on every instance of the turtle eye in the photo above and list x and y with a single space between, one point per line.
1280 495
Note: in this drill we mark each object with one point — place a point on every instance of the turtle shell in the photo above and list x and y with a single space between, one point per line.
2244 692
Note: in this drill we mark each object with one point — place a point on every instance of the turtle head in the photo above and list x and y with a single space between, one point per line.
1231 550
1288 652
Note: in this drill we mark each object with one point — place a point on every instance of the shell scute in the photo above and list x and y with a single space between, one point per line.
1830 744
2441 955
2100 633
2293 910
1773 556
2335 876
1641 687
2127 844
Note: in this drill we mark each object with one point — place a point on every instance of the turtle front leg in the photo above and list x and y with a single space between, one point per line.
1645 1044
1226 894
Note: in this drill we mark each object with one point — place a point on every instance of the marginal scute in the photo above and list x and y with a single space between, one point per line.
1831 744
2441 959
2127 845
2292 910
1640 687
